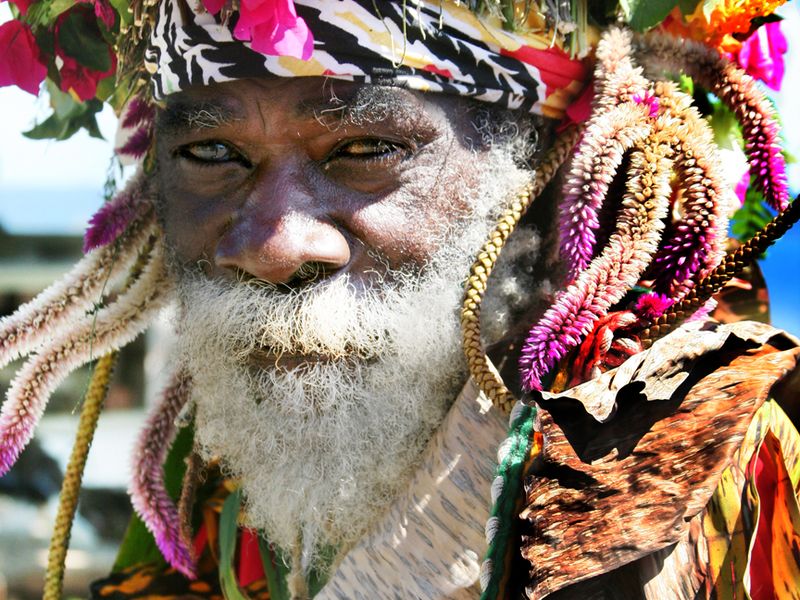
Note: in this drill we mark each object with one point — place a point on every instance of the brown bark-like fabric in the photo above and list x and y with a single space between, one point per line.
604 495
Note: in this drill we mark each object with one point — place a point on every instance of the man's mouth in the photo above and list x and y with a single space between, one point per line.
267 358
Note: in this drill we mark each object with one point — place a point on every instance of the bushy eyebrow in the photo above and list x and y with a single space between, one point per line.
359 105
181 116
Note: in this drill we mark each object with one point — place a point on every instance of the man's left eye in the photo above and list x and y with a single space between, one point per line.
368 149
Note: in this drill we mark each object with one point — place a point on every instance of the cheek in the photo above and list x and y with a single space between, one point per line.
409 223
193 223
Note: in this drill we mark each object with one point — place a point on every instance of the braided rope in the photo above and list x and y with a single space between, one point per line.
480 367
68 499
733 264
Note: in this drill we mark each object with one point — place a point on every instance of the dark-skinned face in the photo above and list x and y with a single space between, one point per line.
263 177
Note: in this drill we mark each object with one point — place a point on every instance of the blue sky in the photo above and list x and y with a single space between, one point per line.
54 187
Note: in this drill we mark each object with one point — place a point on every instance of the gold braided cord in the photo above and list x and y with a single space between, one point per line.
68 499
480 366
732 265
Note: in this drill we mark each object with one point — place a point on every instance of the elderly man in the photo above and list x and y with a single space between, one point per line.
313 209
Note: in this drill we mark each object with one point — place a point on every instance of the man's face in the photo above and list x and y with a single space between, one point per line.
322 234
263 177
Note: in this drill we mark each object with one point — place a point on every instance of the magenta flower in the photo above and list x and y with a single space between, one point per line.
742 186
271 26
137 111
650 306
648 98
104 12
761 55
20 61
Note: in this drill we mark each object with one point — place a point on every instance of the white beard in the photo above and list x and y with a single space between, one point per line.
321 449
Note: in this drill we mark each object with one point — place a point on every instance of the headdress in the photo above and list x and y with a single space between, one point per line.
634 270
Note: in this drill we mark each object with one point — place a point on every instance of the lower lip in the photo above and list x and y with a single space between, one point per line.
266 359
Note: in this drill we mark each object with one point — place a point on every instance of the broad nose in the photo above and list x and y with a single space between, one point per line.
279 229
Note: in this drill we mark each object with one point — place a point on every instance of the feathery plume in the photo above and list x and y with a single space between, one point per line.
113 219
137 111
69 299
740 93
115 326
148 492
139 142
611 274
594 165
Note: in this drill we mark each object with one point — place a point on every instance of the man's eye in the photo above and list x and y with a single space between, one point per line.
212 153
368 149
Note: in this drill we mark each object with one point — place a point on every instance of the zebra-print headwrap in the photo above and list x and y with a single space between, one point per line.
423 45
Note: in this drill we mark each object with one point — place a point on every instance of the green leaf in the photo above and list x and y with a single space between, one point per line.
751 217
275 570
64 105
53 128
123 10
80 38
138 546
228 534
642 15
57 7
319 576
688 6
686 85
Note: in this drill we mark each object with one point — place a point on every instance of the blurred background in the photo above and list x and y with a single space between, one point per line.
48 190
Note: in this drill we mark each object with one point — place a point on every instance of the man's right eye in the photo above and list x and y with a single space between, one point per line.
212 153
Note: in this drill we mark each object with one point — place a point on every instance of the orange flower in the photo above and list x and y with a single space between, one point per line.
715 21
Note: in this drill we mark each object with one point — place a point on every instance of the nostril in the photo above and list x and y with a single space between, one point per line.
310 271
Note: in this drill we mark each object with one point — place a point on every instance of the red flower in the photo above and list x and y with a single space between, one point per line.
761 55
20 60
76 77
81 80
271 26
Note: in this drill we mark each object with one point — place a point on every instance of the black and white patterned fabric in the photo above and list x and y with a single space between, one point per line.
437 46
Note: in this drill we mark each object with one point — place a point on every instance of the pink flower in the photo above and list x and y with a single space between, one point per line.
650 99
761 55
271 26
111 220
650 306
20 60
742 186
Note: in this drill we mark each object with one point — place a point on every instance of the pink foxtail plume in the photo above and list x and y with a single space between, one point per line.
114 326
148 492
609 276
696 244
67 301
650 306
113 219
596 161
139 142
740 93
136 112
